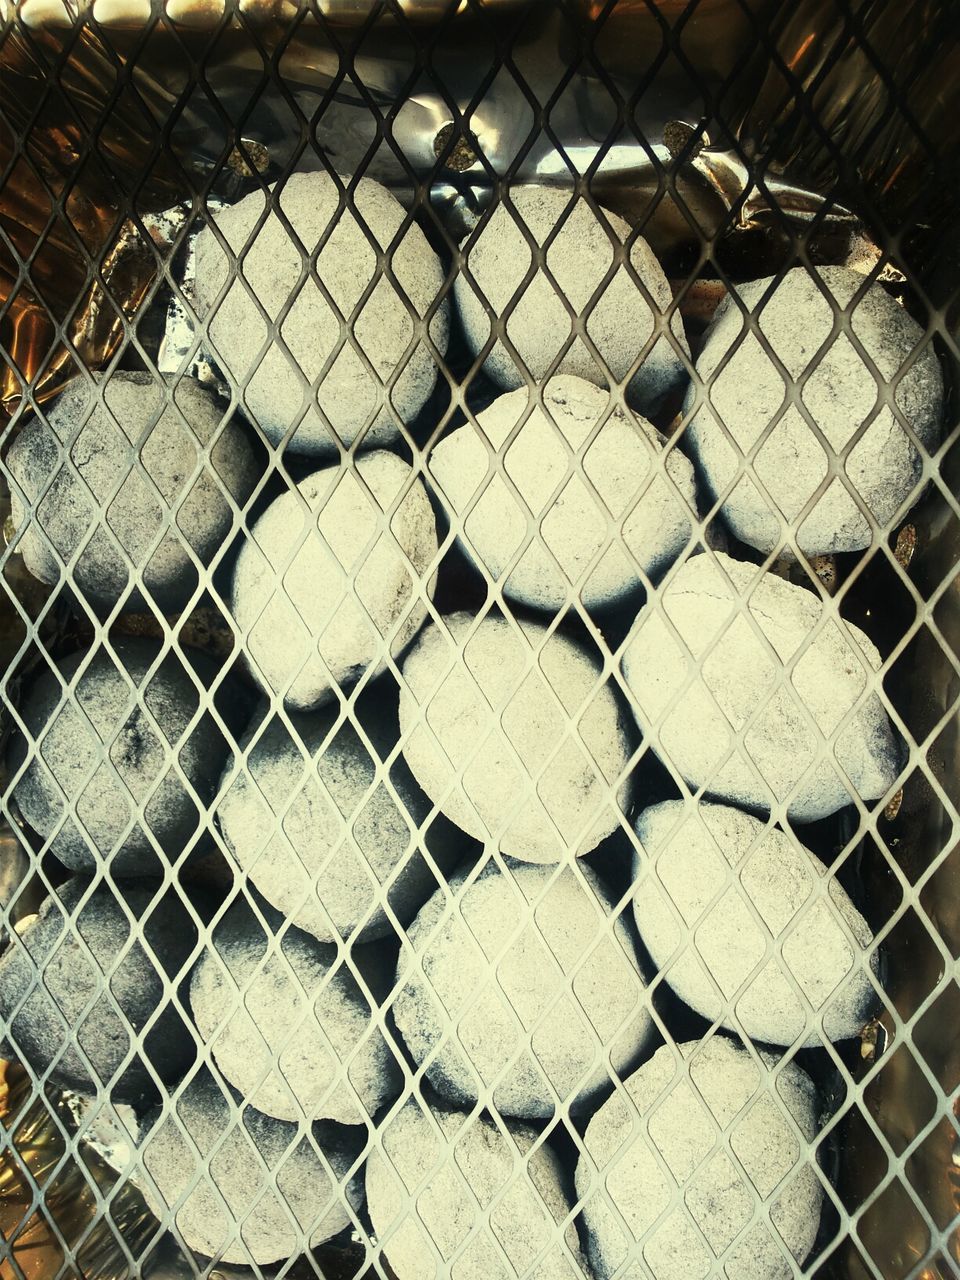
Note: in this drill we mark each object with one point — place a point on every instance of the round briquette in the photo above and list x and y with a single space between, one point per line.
79 485
454 1168
520 982
622 323
600 506
767 664
334 577
313 830
654 1152
840 390
67 1015
715 888
140 723
361 363
515 736
241 1186
290 1027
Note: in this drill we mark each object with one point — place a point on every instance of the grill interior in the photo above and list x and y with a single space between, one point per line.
740 141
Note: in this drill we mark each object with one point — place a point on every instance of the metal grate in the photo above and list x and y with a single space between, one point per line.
739 140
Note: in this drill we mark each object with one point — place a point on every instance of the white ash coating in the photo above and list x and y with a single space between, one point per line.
309 825
702 1192
780 754
274 272
89 457
514 737
883 467
561 1008
104 712
234 1212
54 1023
616 494
708 866
290 1027
453 1167
323 587
621 323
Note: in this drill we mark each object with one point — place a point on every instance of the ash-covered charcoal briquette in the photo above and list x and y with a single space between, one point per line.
709 866
206 1160
323 587
311 828
66 1012
839 394
714 1195
515 737
276 387
456 1168
289 1025
744 629
80 486
615 493
113 710
621 323
525 988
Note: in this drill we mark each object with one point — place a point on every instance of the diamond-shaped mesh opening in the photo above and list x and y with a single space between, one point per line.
479 641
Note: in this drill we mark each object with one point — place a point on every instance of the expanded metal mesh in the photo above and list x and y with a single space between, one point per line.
544 93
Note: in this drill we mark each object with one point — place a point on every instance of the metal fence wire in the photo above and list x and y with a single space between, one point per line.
393 1033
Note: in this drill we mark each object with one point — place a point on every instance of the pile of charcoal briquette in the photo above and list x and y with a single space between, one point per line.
517 947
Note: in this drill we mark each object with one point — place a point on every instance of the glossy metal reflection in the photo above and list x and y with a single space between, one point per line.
68 1210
